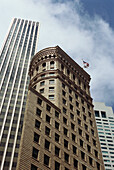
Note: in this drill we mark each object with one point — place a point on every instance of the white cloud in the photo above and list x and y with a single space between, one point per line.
80 36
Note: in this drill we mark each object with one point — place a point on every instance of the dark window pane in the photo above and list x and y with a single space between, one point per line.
57 165
37 124
57 151
46 160
35 153
36 137
38 111
33 167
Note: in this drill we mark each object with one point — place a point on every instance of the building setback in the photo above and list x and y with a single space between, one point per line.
59 131
20 45
105 125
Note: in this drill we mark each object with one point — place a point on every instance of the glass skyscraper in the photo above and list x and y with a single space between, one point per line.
19 47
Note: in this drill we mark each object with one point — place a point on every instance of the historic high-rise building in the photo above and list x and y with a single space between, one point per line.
59 130
105 124
19 47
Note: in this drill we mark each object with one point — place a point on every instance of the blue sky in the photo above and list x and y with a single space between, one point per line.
82 28
103 8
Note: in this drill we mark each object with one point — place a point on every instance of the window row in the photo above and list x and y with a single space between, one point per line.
57 124
35 154
73 77
65 132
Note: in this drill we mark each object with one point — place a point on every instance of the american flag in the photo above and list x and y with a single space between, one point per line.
85 64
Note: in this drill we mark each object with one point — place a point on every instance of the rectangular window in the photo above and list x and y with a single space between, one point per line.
35 153
98 166
51 89
70 91
80 131
78 112
39 101
57 125
91 123
74 149
48 118
56 114
43 75
51 74
76 96
75 163
66 157
63 93
47 131
48 108
84 117
64 120
81 143
63 85
38 112
42 83
88 148
37 124
103 114
94 142
83 167
71 107
87 137
64 110
90 161
83 109
92 131
71 116
51 81
65 131
36 137
57 165
57 150
47 144
65 143
51 97
89 114
46 160
42 90
57 137
64 101
77 104
73 137
33 167
70 98
96 153
72 126
79 122
82 155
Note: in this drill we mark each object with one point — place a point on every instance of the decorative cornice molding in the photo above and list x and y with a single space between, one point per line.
60 54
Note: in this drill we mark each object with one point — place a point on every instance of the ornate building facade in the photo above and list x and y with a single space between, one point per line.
59 131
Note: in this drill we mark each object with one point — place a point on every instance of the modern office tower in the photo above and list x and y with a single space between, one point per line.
20 45
105 125
59 131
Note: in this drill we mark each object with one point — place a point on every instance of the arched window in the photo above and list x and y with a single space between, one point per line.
62 66
37 68
44 65
68 72
52 64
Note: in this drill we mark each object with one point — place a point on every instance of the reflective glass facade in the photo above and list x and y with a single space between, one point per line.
19 47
